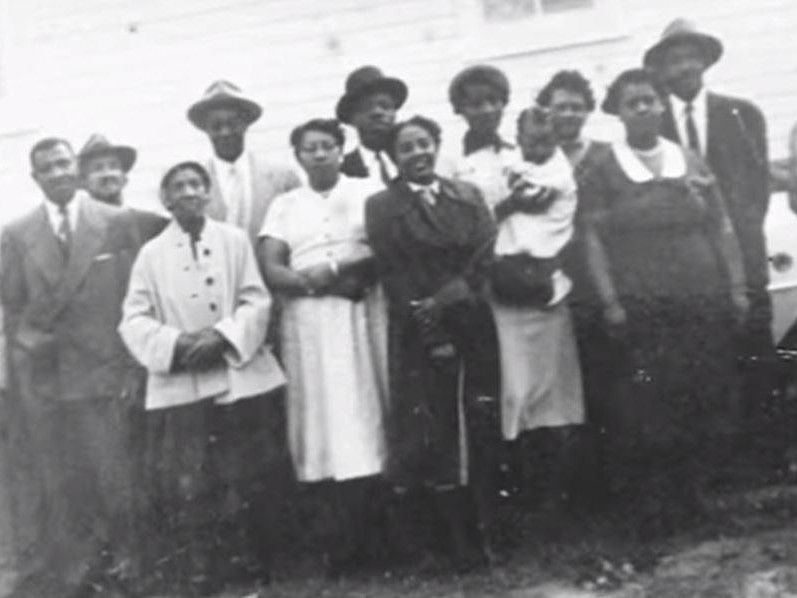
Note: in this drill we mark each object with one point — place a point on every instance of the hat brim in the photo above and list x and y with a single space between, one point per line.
198 113
126 155
395 88
711 46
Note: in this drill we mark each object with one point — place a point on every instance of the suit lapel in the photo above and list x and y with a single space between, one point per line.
354 166
668 128
718 125
263 191
44 249
88 237
216 209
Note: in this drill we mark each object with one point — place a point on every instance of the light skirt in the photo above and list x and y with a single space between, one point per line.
334 354
540 372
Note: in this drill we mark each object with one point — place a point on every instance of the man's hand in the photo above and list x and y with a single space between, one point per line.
133 387
741 306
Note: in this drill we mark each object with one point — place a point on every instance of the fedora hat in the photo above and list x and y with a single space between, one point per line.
681 30
223 94
98 145
365 81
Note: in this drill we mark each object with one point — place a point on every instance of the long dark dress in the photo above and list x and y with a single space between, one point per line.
673 396
424 250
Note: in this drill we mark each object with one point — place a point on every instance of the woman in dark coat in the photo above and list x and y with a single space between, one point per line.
667 270
430 236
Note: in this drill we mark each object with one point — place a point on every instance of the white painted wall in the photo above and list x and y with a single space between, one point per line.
130 68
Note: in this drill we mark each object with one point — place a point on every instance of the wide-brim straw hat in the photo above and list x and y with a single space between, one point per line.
679 31
223 94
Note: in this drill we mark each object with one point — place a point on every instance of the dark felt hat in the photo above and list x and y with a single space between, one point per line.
98 145
480 73
682 30
223 94
365 81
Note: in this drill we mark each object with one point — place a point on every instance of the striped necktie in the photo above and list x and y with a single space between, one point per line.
692 138
64 231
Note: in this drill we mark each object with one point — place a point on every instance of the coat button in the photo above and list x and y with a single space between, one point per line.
206 252
212 307
209 281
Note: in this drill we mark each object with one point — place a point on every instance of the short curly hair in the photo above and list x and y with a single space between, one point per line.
572 81
330 126
427 124
635 76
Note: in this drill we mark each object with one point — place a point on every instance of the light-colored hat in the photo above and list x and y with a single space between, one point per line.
223 94
98 145
682 30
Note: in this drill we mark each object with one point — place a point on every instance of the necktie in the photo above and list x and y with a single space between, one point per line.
427 195
384 173
236 210
692 138
64 232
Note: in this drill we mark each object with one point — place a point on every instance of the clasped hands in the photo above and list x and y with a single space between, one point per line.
200 350
321 279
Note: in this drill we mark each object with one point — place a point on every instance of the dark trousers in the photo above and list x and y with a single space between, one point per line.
78 489
216 477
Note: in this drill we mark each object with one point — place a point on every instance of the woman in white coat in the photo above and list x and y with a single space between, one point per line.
195 317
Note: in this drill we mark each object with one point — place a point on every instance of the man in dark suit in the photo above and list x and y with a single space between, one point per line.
103 171
730 133
369 104
64 274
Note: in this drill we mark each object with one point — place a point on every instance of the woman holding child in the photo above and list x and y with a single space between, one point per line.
532 195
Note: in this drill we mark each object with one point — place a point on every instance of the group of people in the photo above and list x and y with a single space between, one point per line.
409 337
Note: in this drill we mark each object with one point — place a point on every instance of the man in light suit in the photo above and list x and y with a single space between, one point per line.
242 186
64 273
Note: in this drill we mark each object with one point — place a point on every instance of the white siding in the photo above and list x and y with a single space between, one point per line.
130 68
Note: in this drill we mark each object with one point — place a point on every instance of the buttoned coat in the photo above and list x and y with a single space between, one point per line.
171 291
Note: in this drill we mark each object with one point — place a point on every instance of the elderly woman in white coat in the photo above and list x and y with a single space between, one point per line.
195 317
533 197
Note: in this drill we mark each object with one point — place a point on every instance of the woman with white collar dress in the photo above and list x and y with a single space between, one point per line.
666 265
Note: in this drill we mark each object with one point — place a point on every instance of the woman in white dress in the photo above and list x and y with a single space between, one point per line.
316 259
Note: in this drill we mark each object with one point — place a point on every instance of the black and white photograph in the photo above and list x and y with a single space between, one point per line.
398 299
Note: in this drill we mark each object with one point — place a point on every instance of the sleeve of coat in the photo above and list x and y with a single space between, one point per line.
150 341
246 328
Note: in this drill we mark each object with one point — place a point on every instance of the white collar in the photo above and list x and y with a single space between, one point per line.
72 210
698 103
223 167
434 187
674 161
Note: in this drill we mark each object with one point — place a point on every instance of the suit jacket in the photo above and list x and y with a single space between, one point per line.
353 165
736 152
268 181
61 318
148 224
